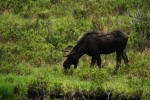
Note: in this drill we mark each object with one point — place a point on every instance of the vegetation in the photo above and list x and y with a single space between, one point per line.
33 34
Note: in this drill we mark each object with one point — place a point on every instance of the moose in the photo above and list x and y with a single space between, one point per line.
94 43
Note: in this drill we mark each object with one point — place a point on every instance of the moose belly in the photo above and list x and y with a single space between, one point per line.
109 49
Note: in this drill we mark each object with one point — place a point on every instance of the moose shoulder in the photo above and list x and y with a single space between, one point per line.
94 44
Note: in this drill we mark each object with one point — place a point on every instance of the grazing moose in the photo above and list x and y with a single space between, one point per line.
94 44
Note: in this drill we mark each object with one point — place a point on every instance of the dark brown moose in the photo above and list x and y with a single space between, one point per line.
94 44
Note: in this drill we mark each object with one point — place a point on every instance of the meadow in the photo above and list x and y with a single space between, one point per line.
131 82
33 34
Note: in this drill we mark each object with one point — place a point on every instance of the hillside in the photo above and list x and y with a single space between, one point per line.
33 34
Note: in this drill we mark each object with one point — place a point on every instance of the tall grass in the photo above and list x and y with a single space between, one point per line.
132 81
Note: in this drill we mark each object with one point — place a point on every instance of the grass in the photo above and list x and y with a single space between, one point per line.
34 33
131 81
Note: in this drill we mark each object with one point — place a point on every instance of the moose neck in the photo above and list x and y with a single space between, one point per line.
79 55
79 49
79 52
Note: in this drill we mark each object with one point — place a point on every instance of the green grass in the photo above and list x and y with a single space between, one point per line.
131 81
34 33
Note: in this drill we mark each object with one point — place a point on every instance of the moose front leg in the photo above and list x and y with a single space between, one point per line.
93 60
76 64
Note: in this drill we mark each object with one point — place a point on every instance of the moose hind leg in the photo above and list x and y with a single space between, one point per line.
99 61
118 62
125 58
